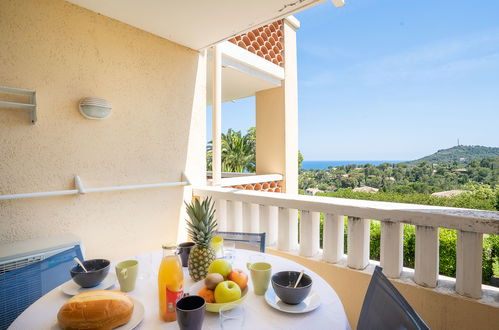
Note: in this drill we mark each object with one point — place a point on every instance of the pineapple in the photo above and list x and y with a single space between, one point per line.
201 229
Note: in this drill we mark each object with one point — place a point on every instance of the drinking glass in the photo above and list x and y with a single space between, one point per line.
145 269
229 250
232 317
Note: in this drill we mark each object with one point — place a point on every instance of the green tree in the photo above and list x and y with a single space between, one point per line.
238 151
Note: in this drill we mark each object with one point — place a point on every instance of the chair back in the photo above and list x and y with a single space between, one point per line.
21 287
385 308
246 241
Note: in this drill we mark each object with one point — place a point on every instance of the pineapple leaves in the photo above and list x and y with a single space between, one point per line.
201 224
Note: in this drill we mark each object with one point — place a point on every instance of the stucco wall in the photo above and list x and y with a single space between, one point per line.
438 310
156 130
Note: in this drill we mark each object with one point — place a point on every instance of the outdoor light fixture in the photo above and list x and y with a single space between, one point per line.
338 3
93 108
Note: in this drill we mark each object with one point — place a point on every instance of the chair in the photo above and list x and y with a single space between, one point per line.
21 287
246 241
385 308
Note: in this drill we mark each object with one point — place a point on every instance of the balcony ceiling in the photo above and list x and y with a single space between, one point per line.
193 23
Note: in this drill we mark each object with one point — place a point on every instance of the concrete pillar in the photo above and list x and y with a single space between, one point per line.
216 114
277 119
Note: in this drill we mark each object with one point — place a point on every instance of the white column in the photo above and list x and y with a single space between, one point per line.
216 115
221 214
426 262
287 238
469 264
250 218
309 233
358 242
333 238
268 223
392 247
235 216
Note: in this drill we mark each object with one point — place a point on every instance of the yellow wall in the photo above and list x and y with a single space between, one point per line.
439 311
156 130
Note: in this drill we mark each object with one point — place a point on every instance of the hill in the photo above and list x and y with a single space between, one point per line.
459 154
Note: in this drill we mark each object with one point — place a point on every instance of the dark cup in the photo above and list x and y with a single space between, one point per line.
283 283
190 312
184 249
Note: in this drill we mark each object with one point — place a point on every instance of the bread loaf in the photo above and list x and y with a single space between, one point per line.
97 309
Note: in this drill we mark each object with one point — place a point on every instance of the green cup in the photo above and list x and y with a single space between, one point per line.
260 276
127 271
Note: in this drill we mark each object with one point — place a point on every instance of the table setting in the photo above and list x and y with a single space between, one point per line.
203 284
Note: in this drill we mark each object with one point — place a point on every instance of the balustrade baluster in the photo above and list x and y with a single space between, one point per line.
235 216
268 223
392 247
426 263
287 238
333 238
221 214
358 243
469 264
309 233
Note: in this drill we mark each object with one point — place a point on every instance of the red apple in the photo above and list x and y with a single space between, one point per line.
239 277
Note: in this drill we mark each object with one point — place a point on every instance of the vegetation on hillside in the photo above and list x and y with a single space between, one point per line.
459 155
424 178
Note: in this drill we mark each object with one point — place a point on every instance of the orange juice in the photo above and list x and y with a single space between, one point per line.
170 283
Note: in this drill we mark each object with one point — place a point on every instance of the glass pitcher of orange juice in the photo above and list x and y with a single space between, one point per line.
170 283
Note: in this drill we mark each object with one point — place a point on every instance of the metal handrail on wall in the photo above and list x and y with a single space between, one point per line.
80 189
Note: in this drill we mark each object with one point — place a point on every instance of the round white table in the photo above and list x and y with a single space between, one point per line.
259 315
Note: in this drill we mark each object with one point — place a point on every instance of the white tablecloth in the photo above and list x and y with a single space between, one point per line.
329 315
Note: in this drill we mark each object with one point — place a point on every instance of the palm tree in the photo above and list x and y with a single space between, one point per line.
238 151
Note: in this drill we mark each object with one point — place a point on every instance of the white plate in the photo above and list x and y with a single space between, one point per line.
71 288
137 317
307 305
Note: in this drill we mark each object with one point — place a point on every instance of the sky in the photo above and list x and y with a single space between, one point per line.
391 79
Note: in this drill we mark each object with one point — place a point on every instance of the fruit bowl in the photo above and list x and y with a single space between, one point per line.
215 307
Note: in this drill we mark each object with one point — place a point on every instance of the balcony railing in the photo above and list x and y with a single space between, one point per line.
277 215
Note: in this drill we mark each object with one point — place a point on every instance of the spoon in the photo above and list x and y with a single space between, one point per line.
299 278
80 263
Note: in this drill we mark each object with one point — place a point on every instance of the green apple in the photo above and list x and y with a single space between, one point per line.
220 266
227 291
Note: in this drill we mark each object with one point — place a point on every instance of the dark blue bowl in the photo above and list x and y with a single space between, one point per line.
283 283
97 272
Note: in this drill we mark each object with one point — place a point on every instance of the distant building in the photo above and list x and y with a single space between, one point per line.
313 191
460 170
366 189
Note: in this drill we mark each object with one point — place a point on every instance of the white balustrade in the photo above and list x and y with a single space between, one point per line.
426 261
287 238
309 233
469 264
277 216
391 248
333 238
358 242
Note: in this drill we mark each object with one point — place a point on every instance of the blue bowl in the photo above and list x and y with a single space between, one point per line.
283 283
97 272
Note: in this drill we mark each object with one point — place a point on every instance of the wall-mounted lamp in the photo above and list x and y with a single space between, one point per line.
93 108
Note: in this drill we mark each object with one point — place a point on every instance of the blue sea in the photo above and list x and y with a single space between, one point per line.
324 164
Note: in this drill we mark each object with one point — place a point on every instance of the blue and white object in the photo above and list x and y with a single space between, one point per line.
29 269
